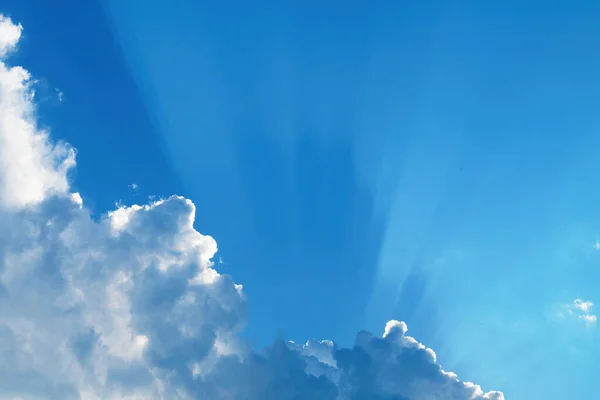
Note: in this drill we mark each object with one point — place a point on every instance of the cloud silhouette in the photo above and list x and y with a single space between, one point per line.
131 306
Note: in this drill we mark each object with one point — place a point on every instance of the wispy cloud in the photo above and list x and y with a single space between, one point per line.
59 95
582 310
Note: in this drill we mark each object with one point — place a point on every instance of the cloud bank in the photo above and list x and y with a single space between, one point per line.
131 307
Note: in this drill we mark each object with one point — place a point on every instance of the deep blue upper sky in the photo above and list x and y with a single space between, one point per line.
356 161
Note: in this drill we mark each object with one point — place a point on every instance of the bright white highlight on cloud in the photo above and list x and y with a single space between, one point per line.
583 306
131 307
31 167
9 35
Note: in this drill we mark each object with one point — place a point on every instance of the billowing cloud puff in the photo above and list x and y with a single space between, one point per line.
31 167
131 307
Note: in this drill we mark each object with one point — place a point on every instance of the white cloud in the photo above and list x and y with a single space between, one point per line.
10 34
31 167
59 95
582 310
583 306
589 319
130 307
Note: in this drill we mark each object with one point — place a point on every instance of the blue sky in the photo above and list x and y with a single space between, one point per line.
432 162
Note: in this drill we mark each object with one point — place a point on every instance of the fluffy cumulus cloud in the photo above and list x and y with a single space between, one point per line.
131 306
31 167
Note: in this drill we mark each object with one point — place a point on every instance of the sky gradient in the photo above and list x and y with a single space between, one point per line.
433 163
